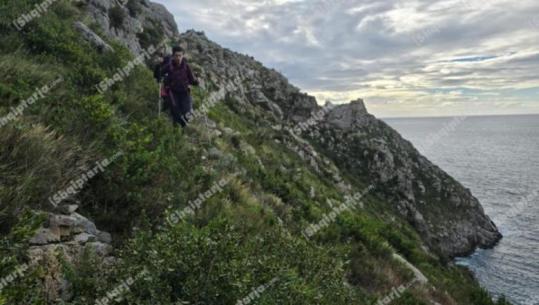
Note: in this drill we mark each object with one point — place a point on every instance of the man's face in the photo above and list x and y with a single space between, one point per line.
178 57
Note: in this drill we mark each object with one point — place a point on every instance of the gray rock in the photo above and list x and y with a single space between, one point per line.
44 236
82 224
69 235
66 290
104 237
133 24
92 37
348 115
83 238
67 209
61 221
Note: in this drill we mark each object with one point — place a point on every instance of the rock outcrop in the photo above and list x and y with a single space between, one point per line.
134 23
63 238
448 217
246 80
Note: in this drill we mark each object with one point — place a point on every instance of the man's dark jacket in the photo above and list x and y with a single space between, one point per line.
177 78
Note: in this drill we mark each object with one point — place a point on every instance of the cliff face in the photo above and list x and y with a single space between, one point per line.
448 217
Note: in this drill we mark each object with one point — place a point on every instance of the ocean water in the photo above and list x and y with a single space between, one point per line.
497 157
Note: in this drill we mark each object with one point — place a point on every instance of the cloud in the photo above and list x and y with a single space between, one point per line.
404 57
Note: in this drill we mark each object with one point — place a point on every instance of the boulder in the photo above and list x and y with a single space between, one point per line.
68 234
84 238
104 237
44 236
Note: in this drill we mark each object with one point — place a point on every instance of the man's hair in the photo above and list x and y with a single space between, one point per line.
177 49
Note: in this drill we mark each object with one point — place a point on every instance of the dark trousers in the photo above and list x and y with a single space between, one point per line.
180 104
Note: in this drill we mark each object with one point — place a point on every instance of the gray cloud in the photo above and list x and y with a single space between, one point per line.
399 55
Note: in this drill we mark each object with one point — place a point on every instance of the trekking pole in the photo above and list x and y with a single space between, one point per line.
159 100
207 128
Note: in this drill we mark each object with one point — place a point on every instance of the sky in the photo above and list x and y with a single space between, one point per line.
403 57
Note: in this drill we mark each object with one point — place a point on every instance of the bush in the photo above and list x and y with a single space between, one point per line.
117 17
24 290
152 34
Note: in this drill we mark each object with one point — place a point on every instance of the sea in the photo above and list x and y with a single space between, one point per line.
497 158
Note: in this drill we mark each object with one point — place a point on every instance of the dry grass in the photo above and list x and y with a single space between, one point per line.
35 162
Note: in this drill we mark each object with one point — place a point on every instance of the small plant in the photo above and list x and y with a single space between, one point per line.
117 16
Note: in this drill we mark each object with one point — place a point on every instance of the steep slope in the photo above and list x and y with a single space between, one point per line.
237 208
448 217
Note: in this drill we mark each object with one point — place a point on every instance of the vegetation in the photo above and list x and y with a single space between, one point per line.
151 35
241 238
117 17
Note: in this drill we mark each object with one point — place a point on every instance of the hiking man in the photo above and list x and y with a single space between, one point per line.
178 79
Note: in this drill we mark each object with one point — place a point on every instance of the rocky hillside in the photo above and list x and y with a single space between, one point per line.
137 24
267 197
447 216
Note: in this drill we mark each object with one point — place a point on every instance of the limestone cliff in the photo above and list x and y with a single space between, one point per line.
450 219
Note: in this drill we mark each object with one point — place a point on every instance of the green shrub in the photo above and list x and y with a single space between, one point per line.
117 17
26 289
152 34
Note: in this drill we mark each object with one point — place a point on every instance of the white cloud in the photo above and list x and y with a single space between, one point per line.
405 57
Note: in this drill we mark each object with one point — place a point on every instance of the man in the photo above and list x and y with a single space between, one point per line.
178 79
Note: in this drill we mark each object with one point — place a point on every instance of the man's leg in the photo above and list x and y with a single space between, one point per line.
166 103
186 107
175 108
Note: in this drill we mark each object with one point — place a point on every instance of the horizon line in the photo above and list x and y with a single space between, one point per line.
453 116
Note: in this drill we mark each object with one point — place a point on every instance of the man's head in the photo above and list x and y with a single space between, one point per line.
177 54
